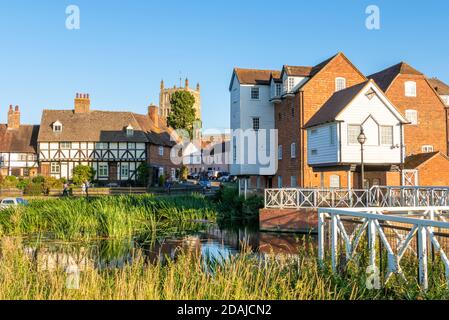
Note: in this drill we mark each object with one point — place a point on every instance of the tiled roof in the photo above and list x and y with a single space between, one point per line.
335 105
103 126
298 71
19 140
255 76
414 161
157 135
385 77
440 87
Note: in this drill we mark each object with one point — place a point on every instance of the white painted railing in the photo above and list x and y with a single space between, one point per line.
293 198
421 224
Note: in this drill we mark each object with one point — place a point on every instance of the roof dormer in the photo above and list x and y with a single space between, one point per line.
57 127
129 130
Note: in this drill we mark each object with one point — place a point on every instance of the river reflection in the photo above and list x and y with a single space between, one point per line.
212 242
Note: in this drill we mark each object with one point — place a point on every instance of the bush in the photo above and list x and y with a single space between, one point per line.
33 189
143 174
82 174
10 182
38 180
52 183
161 181
23 183
183 173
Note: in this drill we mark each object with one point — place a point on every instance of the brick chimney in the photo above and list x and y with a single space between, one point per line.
13 117
82 103
153 113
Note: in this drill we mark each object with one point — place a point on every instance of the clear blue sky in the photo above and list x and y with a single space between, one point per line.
124 48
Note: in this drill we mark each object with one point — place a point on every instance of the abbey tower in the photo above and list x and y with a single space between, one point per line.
165 95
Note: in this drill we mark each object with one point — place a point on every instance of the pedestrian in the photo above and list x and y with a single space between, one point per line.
65 193
87 188
83 188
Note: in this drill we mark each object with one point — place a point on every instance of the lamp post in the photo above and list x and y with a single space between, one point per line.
362 140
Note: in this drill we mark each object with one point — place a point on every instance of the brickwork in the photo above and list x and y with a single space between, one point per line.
434 172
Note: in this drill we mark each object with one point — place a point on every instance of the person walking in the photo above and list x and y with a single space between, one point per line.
83 188
65 193
87 188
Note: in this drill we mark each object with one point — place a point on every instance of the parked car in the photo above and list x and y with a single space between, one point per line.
213 175
10 202
205 183
225 178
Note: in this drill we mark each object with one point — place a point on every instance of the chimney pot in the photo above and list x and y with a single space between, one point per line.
82 103
153 113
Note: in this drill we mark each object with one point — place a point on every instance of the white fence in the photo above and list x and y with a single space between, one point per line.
293 198
421 223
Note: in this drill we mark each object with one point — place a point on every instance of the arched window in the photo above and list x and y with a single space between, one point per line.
410 89
340 84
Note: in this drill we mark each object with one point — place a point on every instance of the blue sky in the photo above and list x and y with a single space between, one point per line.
124 48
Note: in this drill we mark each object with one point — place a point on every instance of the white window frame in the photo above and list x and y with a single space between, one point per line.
57 127
427 148
103 170
280 152
410 89
332 181
340 84
332 135
161 151
55 168
255 91
66 145
278 89
124 170
291 84
293 150
352 127
412 116
256 123
383 136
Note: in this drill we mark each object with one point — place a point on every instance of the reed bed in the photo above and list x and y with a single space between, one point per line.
106 217
194 278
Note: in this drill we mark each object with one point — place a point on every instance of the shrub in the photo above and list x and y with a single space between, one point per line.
143 174
10 182
23 183
33 189
38 180
82 174
161 181
52 183
183 173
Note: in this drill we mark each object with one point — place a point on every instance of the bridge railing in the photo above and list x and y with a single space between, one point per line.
426 227
378 196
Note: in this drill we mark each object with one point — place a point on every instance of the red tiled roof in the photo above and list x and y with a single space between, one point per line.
22 140
415 160
385 77
255 76
440 87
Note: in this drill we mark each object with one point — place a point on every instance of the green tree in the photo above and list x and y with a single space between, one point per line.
143 174
183 174
182 115
82 173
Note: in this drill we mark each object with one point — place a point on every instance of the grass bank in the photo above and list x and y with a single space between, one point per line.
240 277
104 217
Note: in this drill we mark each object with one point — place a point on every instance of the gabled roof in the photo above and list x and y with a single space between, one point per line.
416 160
94 126
440 87
22 140
157 134
254 76
297 71
335 105
385 78
341 99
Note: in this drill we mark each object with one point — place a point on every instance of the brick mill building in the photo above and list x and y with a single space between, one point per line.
318 112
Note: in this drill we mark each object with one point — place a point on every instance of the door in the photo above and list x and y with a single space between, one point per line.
45 169
410 178
113 171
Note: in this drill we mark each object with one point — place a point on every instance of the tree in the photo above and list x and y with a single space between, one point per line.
143 174
183 174
82 173
182 115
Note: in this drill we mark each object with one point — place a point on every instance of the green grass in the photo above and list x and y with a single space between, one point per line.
241 277
104 217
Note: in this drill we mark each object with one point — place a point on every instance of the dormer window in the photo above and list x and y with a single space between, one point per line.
278 89
129 131
340 84
410 89
57 127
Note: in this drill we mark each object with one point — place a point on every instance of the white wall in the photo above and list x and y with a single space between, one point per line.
325 140
243 110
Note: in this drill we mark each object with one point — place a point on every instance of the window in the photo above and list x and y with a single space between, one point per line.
291 84
103 170
31 157
280 152
55 168
161 151
256 124
340 84
353 134
124 170
410 89
427 148
412 116
335 182
386 135
57 127
101 145
293 182
255 93
293 150
66 145
314 152
314 132
279 182
129 131
22 157
278 89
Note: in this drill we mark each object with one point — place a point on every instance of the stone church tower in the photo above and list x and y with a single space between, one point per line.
166 93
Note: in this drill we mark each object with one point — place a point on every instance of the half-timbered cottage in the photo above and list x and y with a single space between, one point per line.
18 146
113 143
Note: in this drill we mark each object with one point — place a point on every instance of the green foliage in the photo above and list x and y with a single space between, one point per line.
161 181
23 183
143 174
10 182
182 114
33 189
82 174
38 180
183 173
52 183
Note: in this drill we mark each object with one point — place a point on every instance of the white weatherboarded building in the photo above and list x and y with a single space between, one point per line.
333 131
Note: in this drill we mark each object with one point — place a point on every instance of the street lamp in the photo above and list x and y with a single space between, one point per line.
362 140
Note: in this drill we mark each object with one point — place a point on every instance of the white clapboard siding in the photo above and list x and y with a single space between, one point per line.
323 139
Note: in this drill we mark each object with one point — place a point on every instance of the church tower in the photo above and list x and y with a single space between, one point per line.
166 93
